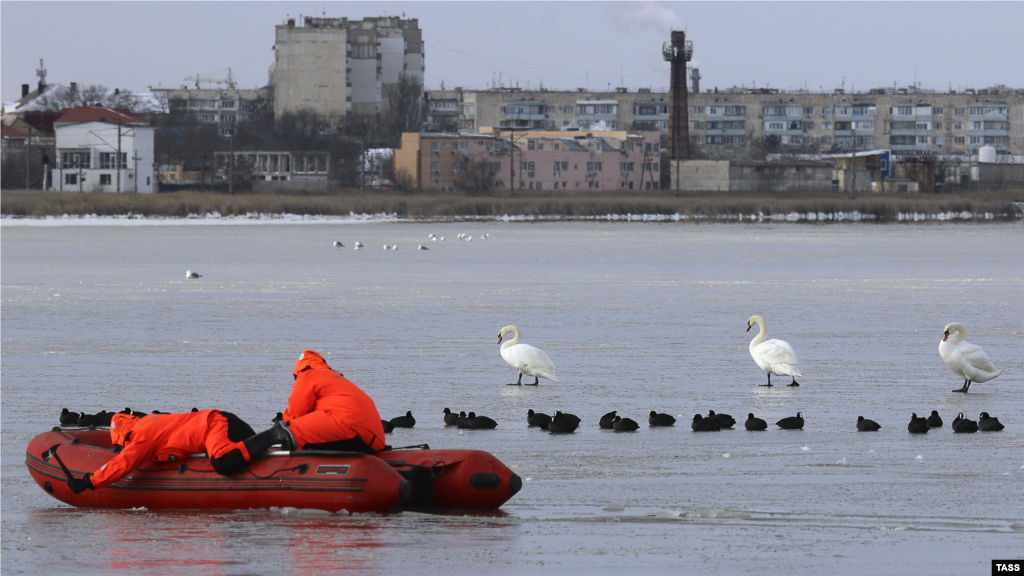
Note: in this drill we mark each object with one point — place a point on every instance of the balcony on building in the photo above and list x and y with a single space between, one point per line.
519 110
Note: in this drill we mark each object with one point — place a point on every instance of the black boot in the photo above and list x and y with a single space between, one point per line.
276 434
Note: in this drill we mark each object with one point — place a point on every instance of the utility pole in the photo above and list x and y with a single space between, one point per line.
28 158
135 157
231 161
362 158
118 161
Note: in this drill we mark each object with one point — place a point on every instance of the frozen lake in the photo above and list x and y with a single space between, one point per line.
635 316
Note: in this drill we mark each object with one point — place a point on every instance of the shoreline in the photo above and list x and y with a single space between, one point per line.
50 208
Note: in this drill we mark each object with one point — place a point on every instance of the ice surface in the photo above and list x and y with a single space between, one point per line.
635 315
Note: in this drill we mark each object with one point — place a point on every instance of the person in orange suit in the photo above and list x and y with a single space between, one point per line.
326 411
171 437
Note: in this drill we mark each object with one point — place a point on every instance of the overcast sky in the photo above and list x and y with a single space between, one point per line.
564 45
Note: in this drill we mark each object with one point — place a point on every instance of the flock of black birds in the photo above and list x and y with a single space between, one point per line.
565 423
101 418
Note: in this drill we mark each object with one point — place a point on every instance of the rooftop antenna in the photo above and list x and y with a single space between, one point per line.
622 80
323 8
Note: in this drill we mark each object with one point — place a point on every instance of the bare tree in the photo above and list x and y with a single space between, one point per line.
92 94
476 176
403 110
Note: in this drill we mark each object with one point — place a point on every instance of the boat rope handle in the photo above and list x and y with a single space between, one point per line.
413 447
301 469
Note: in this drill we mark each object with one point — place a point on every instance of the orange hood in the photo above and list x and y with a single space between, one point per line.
310 359
121 425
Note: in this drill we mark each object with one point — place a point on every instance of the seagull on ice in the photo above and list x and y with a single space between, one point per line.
387 247
191 275
358 246
395 247
338 244
422 247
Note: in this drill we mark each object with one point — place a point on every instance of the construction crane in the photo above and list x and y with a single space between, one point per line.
229 81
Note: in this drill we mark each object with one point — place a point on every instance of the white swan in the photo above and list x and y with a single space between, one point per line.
772 356
968 360
525 358
191 275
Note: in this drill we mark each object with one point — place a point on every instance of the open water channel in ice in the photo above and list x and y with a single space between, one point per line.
636 317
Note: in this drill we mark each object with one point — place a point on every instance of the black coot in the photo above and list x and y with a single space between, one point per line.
701 424
934 421
450 417
624 425
105 417
964 426
388 427
88 420
917 425
462 421
865 425
68 418
538 419
607 420
725 420
753 423
481 422
792 422
657 419
560 424
988 423
406 421
566 416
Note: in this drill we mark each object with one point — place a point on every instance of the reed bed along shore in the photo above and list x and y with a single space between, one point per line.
804 206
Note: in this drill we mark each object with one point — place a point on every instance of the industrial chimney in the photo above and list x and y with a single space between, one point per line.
678 52
695 78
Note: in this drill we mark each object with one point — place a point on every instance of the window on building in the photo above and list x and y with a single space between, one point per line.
958 140
567 109
698 109
105 180
937 111
826 139
774 110
826 125
464 146
435 146
435 166
958 112
629 147
808 110
558 146
735 110
923 139
227 103
71 178
714 110
938 125
976 140
796 125
905 110
826 111
938 141
531 145
922 126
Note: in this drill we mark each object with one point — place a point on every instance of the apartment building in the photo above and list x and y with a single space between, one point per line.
547 110
222 107
342 67
737 122
534 160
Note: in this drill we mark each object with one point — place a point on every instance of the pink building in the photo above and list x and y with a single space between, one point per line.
570 161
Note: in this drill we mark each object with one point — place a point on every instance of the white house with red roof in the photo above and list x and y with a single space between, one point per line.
102 149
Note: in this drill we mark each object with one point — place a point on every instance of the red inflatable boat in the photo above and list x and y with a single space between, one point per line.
321 480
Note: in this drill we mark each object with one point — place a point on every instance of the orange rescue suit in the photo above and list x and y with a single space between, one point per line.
324 406
166 437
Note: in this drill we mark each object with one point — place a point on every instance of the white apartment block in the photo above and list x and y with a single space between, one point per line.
341 67
222 107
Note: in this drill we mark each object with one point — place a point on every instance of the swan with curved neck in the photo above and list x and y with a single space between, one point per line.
772 356
967 360
525 358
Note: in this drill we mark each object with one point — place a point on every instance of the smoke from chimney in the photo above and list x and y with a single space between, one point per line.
642 15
